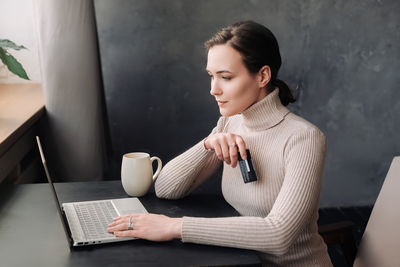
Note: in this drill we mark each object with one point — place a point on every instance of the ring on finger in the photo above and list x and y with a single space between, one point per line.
130 225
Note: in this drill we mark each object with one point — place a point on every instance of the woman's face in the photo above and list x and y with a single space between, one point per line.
233 86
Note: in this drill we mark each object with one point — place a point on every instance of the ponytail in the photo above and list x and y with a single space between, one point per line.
285 95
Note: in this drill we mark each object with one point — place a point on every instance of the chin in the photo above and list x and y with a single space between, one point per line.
226 113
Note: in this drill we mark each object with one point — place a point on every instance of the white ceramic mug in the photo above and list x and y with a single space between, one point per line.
137 173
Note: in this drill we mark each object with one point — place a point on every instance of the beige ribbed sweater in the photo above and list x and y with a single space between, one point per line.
280 210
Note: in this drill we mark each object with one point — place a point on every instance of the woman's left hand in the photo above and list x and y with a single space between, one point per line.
153 227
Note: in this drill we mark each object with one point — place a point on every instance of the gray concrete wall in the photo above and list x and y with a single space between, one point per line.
343 56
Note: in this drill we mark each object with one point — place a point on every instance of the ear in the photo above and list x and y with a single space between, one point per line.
264 76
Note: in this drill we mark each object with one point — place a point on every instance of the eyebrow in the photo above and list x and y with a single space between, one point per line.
220 71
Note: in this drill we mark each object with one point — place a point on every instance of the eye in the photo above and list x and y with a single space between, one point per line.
226 78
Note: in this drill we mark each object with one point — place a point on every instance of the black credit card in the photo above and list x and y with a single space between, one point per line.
247 168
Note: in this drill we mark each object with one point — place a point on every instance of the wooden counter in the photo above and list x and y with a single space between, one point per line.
21 106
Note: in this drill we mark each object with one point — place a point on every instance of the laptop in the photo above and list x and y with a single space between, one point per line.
85 223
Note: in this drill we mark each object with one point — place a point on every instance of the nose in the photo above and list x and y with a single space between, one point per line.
215 89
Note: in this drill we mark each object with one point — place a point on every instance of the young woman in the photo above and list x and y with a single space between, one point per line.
279 210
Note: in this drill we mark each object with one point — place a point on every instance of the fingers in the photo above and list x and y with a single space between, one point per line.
221 147
118 227
227 146
121 223
127 233
234 155
120 219
218 151
242 147
225 152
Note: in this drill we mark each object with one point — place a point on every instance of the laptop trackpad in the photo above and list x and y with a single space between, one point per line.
125 212
129 205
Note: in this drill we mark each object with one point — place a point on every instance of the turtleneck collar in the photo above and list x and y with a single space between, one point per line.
265 113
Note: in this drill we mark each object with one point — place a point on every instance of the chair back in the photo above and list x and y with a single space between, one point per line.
380 243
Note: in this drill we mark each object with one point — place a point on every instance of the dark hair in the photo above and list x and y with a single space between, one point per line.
258 47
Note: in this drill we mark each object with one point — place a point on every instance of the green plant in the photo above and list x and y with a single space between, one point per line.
12 64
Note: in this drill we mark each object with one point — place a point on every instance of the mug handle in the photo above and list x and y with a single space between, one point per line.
159 166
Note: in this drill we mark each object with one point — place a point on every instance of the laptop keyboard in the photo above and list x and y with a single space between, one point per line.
95 217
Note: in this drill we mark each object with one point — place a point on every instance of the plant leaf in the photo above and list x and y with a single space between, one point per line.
4 43
12 64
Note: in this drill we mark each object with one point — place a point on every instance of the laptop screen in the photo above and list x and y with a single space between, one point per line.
60 212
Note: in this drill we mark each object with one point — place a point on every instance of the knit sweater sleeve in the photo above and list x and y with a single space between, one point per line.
297 200
186 172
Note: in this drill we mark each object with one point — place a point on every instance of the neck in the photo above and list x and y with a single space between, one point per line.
265 113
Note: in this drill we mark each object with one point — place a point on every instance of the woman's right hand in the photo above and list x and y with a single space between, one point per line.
226 146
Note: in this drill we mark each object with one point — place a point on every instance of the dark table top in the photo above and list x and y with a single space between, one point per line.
31 232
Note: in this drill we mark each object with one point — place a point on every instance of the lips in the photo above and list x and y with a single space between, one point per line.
221 103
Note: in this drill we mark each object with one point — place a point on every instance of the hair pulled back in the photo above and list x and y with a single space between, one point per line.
258 47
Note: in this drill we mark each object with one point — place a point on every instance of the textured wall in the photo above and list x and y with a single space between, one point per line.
343 56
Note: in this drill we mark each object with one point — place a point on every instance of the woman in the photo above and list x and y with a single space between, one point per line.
279 210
